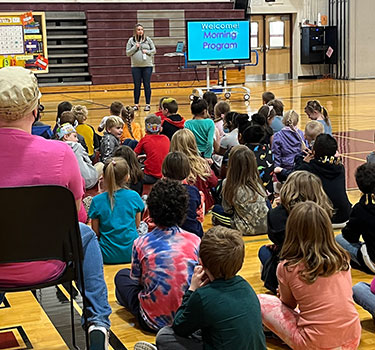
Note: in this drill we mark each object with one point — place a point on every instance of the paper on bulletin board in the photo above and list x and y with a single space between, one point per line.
23 41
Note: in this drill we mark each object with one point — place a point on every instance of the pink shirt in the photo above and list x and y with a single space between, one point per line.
328 317
32 160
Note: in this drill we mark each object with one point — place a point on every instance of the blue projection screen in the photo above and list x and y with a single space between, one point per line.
218 41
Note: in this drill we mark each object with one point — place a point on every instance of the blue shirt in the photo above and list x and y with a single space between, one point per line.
117 227
277 124
327 128
203 130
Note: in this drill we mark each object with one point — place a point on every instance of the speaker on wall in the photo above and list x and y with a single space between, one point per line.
241 4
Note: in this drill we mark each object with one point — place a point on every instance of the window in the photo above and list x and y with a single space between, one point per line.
254 29
277 34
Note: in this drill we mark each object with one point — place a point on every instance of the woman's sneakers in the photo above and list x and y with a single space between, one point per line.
143 345
135 107
98 338
147 108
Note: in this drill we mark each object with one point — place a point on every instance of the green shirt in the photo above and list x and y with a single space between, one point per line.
227 312
203 130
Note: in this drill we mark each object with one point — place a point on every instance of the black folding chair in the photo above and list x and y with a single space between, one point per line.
40 223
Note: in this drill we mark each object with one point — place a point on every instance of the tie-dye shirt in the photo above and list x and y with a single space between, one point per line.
163 263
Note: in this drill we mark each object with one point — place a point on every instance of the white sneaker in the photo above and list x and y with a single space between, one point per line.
98 338
143 345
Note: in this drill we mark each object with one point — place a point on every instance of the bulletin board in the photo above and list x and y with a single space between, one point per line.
23 40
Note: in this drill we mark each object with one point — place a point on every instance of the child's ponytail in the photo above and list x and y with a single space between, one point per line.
325 115
127 114
115 173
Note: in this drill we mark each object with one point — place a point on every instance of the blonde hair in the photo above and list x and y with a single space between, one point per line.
127 115
291 118
242 172
315 106
302 186
113 122
221 109
222 251
313 128
115 174
80 113
184 141
310 241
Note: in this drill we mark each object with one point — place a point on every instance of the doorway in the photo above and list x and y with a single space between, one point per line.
271 36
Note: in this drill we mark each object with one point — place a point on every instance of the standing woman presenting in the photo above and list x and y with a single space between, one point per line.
141 50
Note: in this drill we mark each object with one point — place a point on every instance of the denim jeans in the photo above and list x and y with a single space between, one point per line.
98 309
142 74
264 254
351 248
363 296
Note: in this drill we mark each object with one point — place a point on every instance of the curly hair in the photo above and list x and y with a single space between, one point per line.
365 178
80 113
168 203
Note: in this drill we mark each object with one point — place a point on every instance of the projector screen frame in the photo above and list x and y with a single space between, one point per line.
234 61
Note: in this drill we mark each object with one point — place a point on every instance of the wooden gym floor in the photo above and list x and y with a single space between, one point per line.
41 321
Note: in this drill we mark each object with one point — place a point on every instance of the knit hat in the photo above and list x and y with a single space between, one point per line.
19 93
65 129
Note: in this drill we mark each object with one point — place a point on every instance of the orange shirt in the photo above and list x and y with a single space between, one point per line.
137 132
328 317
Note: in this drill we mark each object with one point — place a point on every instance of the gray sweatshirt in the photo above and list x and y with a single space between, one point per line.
138 59
88 171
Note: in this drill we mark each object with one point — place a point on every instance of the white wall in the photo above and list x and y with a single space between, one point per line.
300 9
361 39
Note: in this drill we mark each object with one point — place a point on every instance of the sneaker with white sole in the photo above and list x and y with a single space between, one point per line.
147 108
98 338
143 345
135 107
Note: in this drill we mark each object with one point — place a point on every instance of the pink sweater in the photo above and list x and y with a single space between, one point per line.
328 317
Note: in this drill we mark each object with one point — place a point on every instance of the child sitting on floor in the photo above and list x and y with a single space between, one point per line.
171 121
67 133
288 142
135 181
277 121
314 273
244 204
68 117
327 166
116 213
267 96
86 130
202 127
132 131
155 147
201 175
111 137
362 222
300 186
115 109
219 304
315 111
176 167
312 130
163 260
